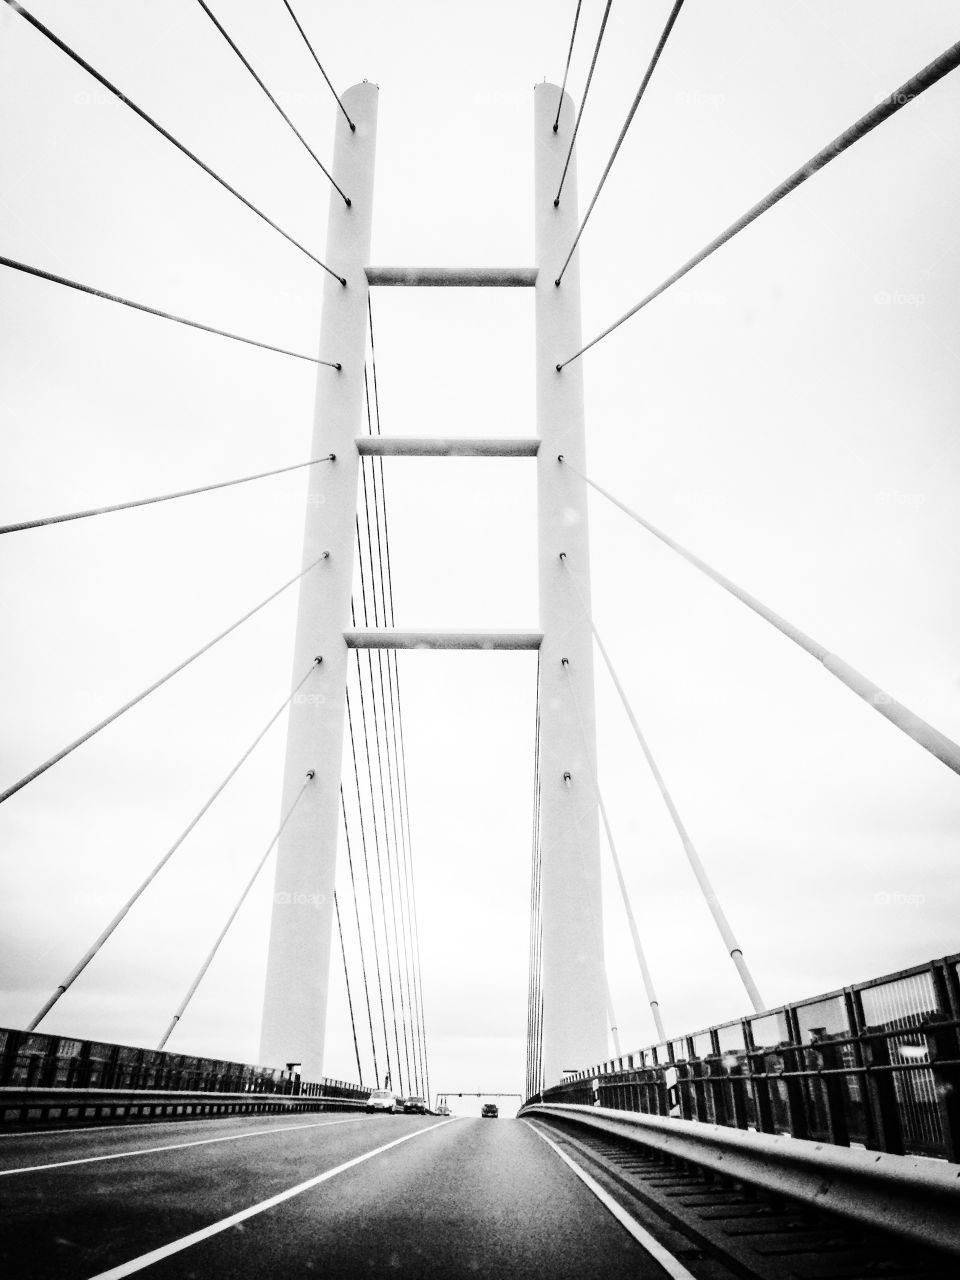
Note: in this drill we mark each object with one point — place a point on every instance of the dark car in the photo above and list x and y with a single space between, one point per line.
490 1111
416 1106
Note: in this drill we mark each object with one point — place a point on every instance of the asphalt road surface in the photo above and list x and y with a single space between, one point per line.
334 1195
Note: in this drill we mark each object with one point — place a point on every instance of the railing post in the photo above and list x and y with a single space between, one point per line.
298 960
573 983
943 1048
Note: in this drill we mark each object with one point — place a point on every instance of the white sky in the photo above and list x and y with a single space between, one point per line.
788 411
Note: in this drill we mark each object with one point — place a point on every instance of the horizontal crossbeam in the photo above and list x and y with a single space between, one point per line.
455 277
438 447
387 639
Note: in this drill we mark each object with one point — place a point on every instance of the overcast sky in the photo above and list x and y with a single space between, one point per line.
788 411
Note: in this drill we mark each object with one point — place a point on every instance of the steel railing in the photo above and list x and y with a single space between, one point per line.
45 1077
875 1065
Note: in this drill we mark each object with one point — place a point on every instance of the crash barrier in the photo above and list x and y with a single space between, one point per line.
875 1065
47 1078
913 1197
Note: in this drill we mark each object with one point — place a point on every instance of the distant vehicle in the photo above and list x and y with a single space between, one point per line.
381 1100
416 1106
444 1111
398 1104
490 1111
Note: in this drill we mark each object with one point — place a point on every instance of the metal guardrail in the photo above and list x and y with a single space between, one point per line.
874 1065
25 1107
908 1195
91 1073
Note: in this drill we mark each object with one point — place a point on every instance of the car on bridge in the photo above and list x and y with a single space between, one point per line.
490 1111
416 1106
444 1111
381 1100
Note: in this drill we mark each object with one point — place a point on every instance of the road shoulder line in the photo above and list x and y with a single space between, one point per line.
215 1228
673 1266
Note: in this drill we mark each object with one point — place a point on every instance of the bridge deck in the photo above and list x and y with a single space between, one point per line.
462 1197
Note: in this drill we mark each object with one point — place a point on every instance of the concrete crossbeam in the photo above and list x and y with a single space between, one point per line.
445 447
454 277
387 639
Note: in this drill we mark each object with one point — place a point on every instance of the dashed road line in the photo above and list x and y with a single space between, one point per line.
185 1242
174 1146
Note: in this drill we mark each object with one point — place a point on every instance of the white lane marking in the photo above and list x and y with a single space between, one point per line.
670 1264
175 1146
195 1237
84 1130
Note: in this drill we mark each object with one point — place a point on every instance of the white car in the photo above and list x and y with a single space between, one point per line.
381 1100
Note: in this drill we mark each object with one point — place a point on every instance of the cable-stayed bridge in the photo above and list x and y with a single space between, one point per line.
815 1138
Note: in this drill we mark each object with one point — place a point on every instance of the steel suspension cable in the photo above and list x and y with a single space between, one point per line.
639 952
403 966
648 987
924 734
14 265
539 815
363 961
583 101
890 105
413 888
296 22
674 13
703 880
111 88
404 870
346 978
383 791
323 169
566 69
612 1016
379 862
366 865
115 715
399 751
373 814
165 497
533 984
89 954
397 842
233 915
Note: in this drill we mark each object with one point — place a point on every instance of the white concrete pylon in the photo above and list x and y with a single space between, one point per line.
573 980
298 960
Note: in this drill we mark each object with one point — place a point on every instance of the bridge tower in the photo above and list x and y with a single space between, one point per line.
301 928
571 979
